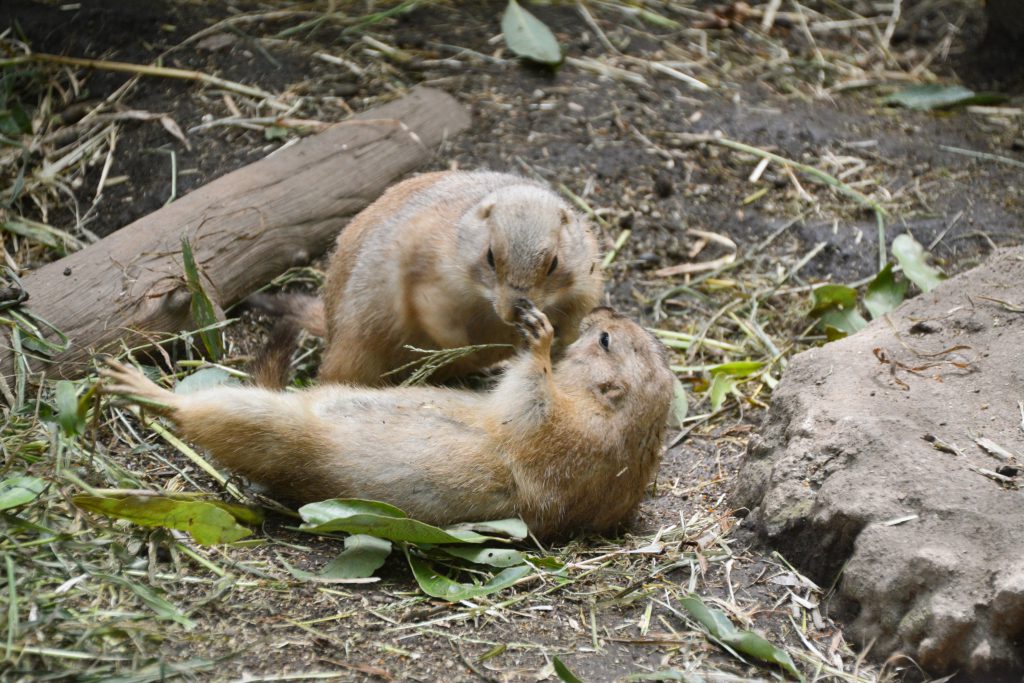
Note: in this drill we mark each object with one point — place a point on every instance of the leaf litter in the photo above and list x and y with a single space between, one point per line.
582 606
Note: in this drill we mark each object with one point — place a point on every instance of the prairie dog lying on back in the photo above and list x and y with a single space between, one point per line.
439 261
566 448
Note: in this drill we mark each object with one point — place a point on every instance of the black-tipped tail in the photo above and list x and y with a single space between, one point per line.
272 367
304 310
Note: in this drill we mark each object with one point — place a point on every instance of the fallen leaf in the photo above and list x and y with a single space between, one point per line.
172 127
529 37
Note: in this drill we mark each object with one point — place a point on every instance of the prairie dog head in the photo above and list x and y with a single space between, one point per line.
535 247
623 367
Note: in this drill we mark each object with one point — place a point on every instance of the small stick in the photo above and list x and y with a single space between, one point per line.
768 18
142 70
982 155
589 19
619 242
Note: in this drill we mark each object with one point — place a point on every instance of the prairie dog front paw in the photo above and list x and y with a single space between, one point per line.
534 326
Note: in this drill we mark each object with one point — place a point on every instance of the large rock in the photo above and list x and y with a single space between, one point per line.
842 478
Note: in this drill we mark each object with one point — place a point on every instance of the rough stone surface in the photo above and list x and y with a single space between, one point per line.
930 552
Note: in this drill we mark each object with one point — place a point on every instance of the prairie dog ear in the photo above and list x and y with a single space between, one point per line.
565 217
485 210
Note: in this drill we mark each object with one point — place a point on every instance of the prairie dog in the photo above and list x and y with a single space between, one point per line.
567 448
439 262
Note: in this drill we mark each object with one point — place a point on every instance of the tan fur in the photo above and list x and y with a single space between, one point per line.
567 448
271 368
413 269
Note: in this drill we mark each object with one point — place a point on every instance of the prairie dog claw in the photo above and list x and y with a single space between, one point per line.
122 380
533 324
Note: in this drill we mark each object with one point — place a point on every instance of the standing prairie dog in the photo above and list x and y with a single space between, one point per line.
439 261
567 448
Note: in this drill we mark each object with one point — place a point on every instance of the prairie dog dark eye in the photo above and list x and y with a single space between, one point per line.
605 340
490 258
554 264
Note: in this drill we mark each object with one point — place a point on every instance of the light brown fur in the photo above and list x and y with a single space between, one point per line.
567 448
414 269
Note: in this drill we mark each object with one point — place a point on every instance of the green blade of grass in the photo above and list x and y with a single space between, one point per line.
204 314
12 605
161 607
563 672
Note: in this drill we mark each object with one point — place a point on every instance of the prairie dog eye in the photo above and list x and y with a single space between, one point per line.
554 264
605 341
490 258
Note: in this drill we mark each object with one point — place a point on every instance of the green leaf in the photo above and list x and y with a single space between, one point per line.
834 333
739 368
546 562
203 313
680 405
327 510
70 413
206 522
380 520
836 306
747 642
846 321
34 232
721 386
513 527
563 672
936 96
243 513
830 296
15 491
437 585
528 37
205 378
913 260
495 557
884 293
362 556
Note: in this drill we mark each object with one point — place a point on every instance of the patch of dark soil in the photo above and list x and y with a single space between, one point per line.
139 33
995 60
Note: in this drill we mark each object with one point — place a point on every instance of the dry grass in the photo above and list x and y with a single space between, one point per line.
90 599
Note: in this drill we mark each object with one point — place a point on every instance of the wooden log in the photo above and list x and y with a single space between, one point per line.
245 228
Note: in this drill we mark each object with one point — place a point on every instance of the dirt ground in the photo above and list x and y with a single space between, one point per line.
619 143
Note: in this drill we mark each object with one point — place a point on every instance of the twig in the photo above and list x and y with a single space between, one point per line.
142 70
609 258
982 155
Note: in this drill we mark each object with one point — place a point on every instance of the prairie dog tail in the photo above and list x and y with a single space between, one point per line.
291 312
304 310
272 367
